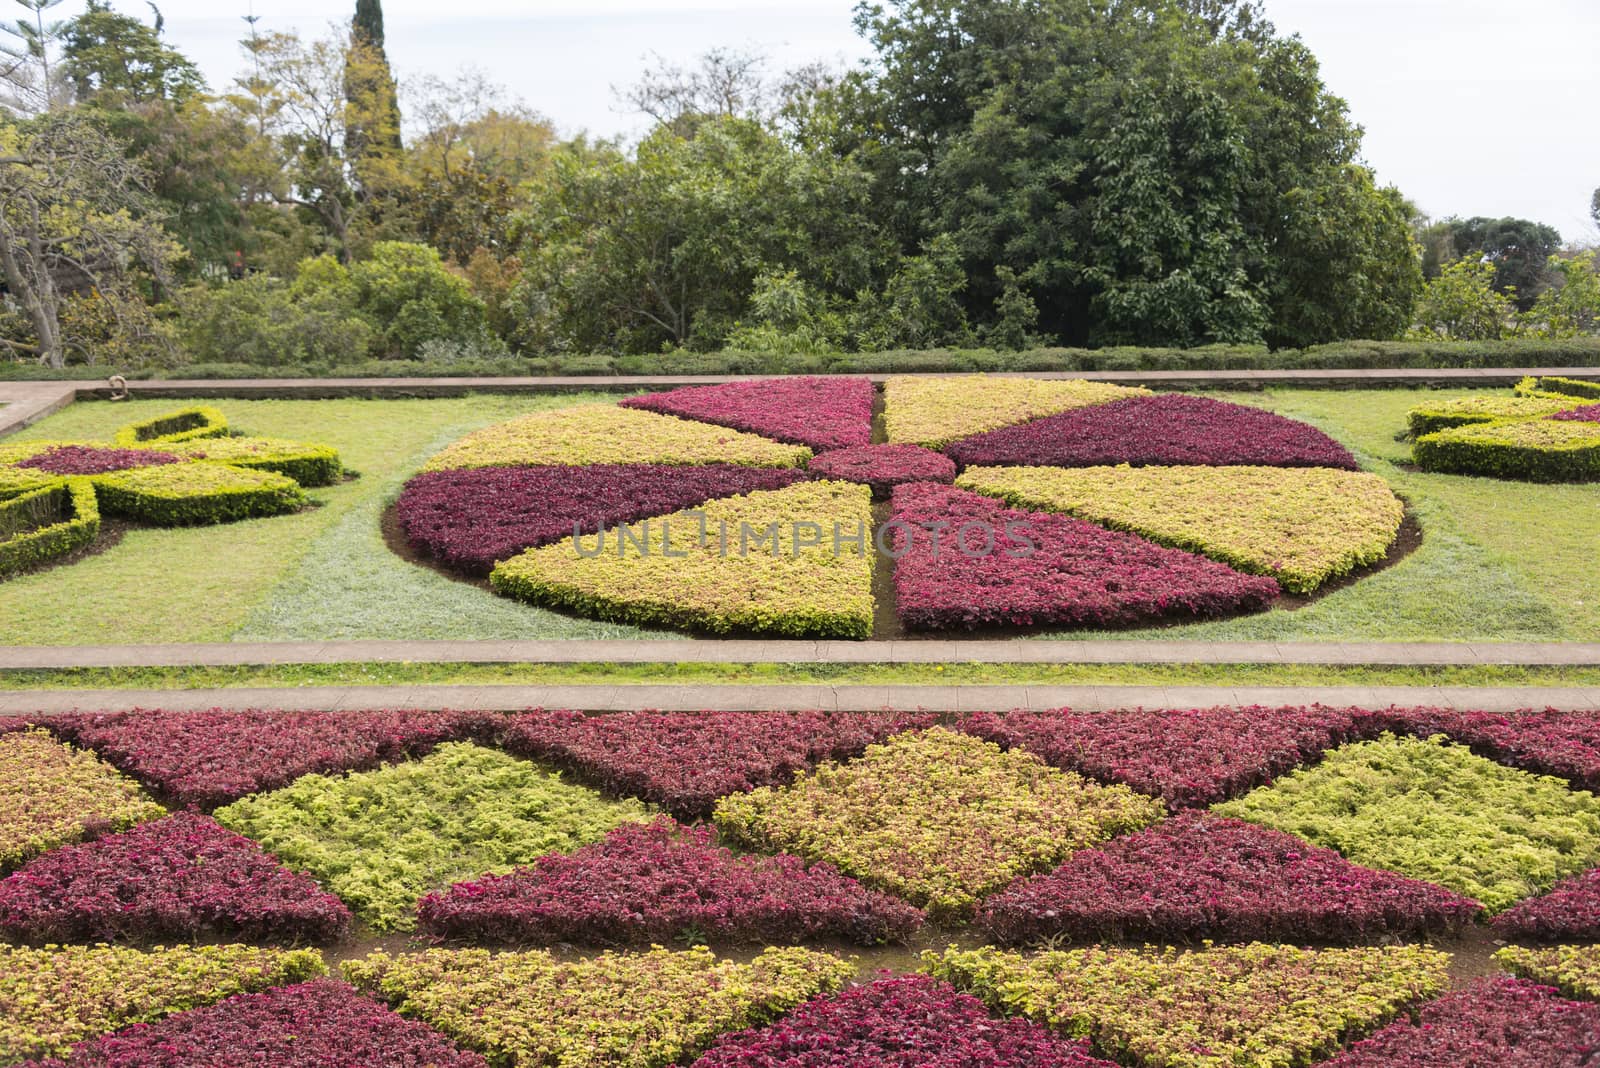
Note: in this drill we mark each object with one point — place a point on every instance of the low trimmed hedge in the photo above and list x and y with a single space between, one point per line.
28 538
1537 450
1568 387
933 412
307 463
185 424
198 493
1451 412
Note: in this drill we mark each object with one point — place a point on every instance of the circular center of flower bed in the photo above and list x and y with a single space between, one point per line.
884 466
90 460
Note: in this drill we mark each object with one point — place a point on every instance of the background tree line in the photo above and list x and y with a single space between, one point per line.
1006 173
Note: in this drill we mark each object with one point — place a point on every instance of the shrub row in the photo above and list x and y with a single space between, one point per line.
195 493
182 877
635 1010
1569 387
381 839
54 997
1190 758
1536 450
1450 412
319 1024
307 463
936 411
788 563
15 481
901 1020
661 882
46 524
1172 428
1215 1008
1574 970
52 794
1493 1023
823 413
185 424
1302 526
936 817
1437 812
609 434
685 762
966 561
1201 877
471 519
94 459
884 466
198 760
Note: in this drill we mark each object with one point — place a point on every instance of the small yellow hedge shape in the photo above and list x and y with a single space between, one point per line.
934 411
1484 408
1300 525
50 793
1575 970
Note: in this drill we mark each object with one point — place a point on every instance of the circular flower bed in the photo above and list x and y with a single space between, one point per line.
884 466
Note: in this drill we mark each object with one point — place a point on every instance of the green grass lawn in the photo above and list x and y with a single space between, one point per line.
1499 560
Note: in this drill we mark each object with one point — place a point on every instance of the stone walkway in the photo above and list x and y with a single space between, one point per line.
689 651
794 698
25 403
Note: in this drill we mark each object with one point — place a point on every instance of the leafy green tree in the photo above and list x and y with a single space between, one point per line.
1462 304
271 322
405 291
1520 250
1571 306
374 112
1594 207
118 61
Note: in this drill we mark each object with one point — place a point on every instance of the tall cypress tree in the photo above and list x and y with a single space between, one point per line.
369 86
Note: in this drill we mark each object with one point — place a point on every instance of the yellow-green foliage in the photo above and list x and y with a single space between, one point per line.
183 494
1566 387
617 1010
54 997
607 434
762 563
1539 450
1438 812
923 410
940 818
307 463
1574 969
1301 525
185 424
47 523
1483 408
382 839
1266 1006
50 792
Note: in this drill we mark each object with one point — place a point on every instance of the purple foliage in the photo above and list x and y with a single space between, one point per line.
885 466
1189 758
684 762
652 883
834 412
180 877
1549 741
1493 1023
94 460
1041 568
1568 912
1170 428
475 518
1589 413
1198 876
320 1024
901 1020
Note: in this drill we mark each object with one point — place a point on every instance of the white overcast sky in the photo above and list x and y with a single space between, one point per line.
1472 107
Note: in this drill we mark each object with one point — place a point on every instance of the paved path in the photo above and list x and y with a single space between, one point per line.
682 651
25 403
780 698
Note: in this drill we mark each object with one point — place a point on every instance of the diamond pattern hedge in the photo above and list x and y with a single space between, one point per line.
52 794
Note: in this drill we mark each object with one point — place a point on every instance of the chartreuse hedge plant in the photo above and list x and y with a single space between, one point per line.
939 818
381 839
53 997
52 794
933 412
47 524
170 428
186 494
307 463
1451 412
793 562
1267 1006
1537 450
1438 812
1575 970
1301 526
617 1010
1566 387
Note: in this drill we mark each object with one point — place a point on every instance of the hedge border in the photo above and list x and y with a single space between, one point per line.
1474 450
308 463
79 528
257 494
1566 387
199 421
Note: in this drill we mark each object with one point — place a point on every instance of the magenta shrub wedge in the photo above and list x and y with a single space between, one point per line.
898 1020
685 762
1018 568
207 759
1199 877
473 518
94 460
1567 912
1166 429
1589 413
1189 758
661 882
1549 742
825 413
1493 1023
319 1024
884 466
181 877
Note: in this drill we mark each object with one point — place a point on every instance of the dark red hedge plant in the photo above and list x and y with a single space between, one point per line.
1169 428
319 1024
1189 758
1589 413
909 1020
884 467
659 883
1567 912
993 566
1198 877
1492 1023
206 759
472 519
93 460
181 877
834 412
684 762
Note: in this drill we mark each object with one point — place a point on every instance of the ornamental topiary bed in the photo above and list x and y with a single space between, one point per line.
1548 432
